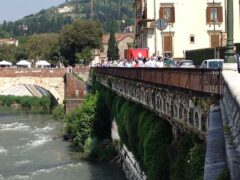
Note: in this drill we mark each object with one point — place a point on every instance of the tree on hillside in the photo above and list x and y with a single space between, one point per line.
79 36
112 52
7 52
43 46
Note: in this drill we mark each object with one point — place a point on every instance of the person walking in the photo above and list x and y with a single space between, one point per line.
237 56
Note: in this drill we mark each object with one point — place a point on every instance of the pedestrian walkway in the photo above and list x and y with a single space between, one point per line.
215 159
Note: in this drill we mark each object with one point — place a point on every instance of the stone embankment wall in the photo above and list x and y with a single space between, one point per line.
51 80
129 165
230 107
75 91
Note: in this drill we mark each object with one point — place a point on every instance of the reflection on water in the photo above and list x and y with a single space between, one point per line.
31 148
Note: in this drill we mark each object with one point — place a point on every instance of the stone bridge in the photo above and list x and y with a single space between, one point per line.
55 80
182 97
203 101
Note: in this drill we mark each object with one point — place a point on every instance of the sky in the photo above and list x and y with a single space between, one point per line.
11 10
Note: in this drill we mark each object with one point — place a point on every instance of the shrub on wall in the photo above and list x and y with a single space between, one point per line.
149 138
28 102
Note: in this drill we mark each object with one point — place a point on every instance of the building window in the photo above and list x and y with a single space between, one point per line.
168 45
168 13
192 39
214 14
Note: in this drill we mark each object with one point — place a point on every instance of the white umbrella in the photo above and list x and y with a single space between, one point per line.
24 63
42 63
5 63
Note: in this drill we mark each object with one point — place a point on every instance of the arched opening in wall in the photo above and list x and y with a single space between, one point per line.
29 90
172 110
191 117
157 102
185 115
180 112
175 110
168 108
204 124
164 106
196 119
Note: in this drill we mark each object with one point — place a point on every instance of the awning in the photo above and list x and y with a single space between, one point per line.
5 63
42 63
23 63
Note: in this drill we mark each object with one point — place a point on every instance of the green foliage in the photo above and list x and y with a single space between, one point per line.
85 56
224 175
7 52
112 52
79 121
187 158
28 102
102 122
58 112
77 36
99 150
42 46
195 162
146 135
48 20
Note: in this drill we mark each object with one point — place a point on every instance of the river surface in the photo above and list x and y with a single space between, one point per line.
31 147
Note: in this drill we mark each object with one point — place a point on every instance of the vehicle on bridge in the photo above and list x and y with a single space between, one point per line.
185 64
212 63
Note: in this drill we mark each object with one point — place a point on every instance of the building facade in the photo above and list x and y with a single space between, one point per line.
10 41
190 25
123 40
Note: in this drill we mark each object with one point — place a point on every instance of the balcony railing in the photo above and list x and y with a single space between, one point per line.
194 79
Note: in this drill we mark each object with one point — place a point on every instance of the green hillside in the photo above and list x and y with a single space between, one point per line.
52 19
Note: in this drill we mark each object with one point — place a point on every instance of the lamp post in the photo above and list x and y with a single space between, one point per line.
229 58
214 30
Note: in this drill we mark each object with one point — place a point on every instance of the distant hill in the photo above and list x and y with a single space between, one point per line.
52 19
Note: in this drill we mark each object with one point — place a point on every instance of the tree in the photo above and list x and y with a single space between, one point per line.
85 56
76 37
7 52
42 46
112 52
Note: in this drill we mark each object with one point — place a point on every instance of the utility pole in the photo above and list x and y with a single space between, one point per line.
214 29
91 7
229 52
155 32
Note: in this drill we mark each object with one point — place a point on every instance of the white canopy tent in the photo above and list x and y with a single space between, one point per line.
42 64
5 63
24 63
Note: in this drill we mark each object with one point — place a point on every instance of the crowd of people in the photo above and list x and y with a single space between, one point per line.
135 62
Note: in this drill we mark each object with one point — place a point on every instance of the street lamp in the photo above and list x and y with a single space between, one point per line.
214 29
229 58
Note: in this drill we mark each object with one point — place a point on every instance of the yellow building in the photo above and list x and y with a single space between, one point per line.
190 25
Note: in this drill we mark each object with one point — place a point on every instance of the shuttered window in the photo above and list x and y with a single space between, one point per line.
214 14
167 13
167 43
217 40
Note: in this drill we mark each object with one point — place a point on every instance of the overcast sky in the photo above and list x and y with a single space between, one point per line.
11 10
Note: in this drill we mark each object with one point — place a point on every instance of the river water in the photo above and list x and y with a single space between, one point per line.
31 148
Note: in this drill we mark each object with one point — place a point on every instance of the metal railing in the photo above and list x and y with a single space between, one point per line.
195 79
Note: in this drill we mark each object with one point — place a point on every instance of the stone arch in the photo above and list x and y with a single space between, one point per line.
196 120
204 124
175 110
54 85
181 109
191 118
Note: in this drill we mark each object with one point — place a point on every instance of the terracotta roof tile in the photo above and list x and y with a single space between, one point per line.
119 37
